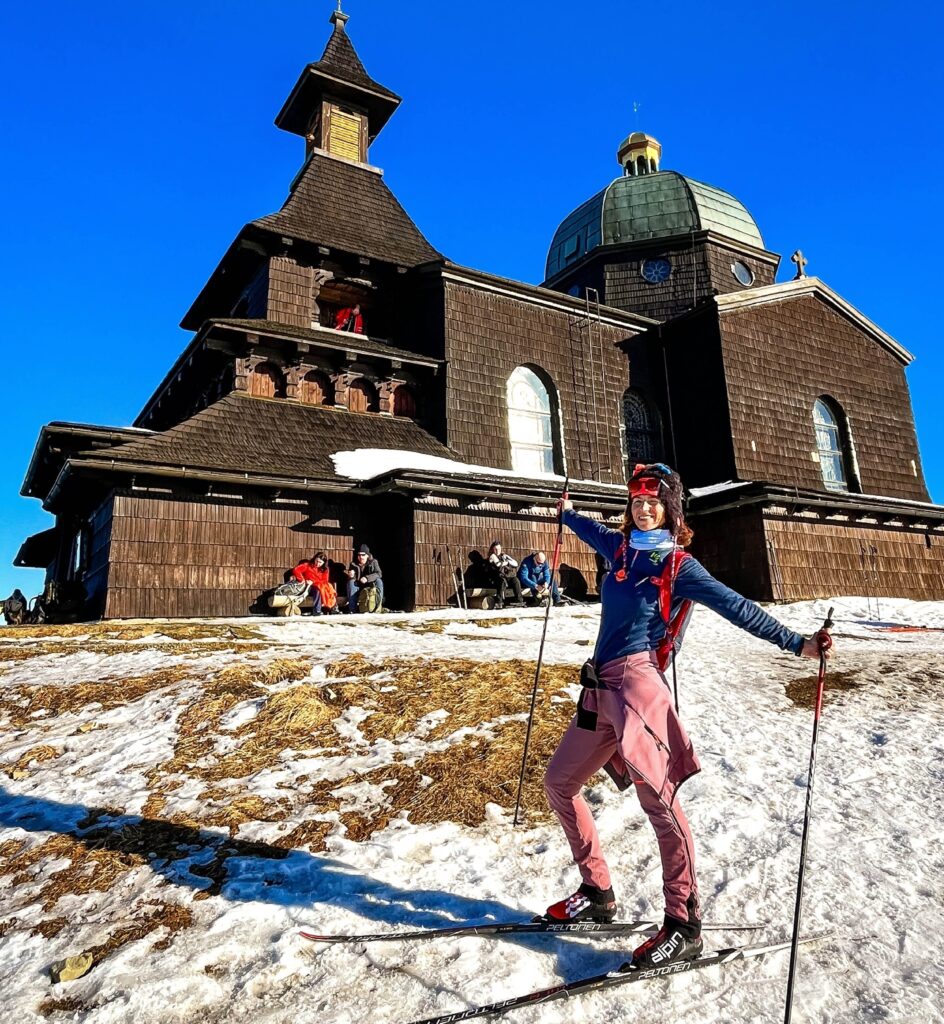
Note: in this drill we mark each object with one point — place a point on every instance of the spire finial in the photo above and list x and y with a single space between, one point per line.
338 17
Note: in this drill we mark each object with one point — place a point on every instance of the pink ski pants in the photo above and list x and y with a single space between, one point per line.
580 755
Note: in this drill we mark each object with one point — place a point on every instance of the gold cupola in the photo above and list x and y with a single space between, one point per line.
640 154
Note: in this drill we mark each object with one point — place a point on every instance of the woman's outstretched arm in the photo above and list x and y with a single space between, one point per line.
695 583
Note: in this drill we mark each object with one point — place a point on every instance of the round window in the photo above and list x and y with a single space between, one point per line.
656 271
743 273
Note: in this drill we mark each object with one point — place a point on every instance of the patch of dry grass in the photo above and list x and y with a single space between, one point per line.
287 718
455 784
488 623
21 704
43 752
139 630
802 692
67 1004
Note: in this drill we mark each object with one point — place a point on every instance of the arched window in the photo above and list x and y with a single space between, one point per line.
643 428
404 402
642 167
531 426
833 446
266 381
315 389
362 396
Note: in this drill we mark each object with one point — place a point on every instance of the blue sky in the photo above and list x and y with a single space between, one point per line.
138 138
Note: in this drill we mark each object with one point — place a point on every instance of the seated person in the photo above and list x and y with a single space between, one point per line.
535 573
364 571
323 595
502 572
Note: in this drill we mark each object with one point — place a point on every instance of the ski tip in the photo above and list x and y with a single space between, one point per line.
317 938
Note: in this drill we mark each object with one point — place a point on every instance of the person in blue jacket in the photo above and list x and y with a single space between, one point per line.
626 721
535 573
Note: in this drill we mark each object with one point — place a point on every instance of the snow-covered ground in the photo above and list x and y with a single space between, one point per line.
876 858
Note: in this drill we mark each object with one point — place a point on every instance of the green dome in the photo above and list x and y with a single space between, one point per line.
638 208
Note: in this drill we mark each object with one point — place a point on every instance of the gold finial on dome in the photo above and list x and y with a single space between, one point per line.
640 154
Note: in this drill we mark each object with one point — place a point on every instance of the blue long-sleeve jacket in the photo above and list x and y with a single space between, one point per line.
630 621
533 574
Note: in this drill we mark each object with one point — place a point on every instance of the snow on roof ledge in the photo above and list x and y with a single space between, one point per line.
728 485
367 463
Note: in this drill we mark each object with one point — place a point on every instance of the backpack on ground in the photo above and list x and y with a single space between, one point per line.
368 600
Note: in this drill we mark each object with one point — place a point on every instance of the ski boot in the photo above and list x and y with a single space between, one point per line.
675 940
588 903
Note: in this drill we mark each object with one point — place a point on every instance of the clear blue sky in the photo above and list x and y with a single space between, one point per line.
138 138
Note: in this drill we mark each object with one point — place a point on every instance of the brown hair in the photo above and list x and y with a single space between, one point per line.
670 494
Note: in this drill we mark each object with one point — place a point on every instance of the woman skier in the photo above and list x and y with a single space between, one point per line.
625 721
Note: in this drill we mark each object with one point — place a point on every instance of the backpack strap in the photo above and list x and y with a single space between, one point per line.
674 624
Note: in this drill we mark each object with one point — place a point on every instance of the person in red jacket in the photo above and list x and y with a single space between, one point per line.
314 572
350 320
323 594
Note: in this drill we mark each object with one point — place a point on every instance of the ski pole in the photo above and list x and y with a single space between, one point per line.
537 670
824 641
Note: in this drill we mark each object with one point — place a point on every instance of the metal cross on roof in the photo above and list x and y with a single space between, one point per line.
801 261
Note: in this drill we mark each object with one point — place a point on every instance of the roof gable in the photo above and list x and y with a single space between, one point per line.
788 290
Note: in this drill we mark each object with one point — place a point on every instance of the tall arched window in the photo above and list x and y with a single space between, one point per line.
315 389
643 428
531 423
833 446
266 381
362 396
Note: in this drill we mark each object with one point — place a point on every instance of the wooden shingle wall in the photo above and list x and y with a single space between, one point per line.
627 289
779 358
290 299
774 554
488 335
697 270
196 557
732 547
446 534
719 262
822 559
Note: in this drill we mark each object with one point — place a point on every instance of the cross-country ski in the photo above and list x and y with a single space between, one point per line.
494 929
613 979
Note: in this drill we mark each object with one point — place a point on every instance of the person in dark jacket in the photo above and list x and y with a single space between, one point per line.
626 721
535 573
364 571
502 572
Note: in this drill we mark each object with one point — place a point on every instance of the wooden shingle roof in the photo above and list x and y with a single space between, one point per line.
340 60
349 207
271 438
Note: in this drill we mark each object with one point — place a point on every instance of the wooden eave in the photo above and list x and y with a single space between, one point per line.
325 338
839 502
316 82
40 475
485 487
737 301
84 467
538 295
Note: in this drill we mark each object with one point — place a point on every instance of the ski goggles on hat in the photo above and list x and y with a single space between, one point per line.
645 485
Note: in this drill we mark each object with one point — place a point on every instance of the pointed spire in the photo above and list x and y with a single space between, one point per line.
338 76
